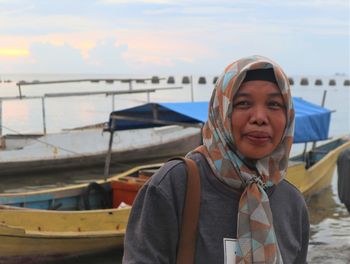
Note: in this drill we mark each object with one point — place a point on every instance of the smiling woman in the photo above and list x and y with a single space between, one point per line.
245 209
5 52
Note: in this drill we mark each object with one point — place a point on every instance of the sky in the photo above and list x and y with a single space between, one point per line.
172 36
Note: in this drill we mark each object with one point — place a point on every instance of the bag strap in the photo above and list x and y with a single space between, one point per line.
190 216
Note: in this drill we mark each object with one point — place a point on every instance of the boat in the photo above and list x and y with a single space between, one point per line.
88 148
70 221
312 171
41 236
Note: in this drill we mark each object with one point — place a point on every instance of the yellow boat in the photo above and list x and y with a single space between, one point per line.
312 171
62 227
31 236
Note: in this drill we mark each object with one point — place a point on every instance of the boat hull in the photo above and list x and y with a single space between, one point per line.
78 149
38 249
30 236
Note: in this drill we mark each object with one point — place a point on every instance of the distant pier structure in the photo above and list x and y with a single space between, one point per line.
192 79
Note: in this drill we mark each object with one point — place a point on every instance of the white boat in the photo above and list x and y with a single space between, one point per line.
88 147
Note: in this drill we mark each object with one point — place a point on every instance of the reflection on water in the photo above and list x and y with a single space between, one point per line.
323 205
329 219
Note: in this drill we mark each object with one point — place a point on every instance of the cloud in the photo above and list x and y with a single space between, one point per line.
107 57
55 58
104 57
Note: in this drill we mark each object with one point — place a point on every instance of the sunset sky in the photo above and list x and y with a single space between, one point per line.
172 36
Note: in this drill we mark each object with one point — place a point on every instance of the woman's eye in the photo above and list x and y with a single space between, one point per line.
275 105
242 104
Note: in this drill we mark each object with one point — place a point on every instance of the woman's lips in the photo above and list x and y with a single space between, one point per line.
258 138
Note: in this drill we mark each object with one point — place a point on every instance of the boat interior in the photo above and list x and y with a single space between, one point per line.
119 191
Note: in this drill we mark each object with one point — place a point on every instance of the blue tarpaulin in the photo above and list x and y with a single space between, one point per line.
312 121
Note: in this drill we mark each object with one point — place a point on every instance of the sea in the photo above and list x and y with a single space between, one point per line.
37 108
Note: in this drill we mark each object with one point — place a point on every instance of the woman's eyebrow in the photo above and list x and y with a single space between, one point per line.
245 94
242 94
275 94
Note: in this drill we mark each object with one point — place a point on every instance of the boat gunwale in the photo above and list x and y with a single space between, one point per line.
22 232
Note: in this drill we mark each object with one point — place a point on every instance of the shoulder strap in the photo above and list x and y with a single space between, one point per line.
190 215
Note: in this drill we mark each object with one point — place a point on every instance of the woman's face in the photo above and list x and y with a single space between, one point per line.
258 118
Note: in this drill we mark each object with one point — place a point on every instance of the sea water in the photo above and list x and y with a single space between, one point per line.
330 222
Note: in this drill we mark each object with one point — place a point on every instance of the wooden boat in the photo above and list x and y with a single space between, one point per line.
88 147
51 224
312 171
31 236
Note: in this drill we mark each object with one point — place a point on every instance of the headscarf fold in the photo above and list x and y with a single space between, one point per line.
256 239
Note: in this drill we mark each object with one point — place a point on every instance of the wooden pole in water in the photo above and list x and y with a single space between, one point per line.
322 104
19 91
109 153
0 118
44 115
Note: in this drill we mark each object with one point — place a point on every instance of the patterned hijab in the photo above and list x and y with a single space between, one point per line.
256 239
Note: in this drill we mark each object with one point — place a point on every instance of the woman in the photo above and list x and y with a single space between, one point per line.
248 213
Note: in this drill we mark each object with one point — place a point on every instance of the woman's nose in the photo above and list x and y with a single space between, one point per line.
259 116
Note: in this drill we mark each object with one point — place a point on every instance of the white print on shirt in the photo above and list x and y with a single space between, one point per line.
230 250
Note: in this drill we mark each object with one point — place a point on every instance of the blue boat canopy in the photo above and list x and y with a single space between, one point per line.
312 121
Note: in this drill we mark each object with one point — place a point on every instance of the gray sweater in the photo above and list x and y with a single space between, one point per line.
153 229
